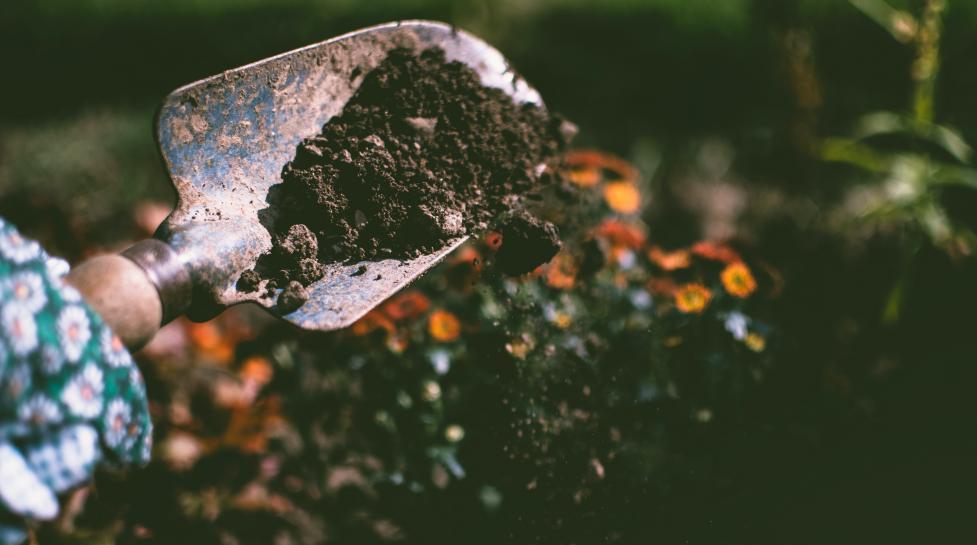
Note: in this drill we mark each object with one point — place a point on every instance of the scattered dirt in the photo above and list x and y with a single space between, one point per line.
421 154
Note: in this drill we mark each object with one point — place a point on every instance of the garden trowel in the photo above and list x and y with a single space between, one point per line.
224 141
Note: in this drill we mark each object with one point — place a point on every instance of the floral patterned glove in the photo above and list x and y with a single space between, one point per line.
71 397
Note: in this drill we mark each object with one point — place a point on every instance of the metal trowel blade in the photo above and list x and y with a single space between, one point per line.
225 140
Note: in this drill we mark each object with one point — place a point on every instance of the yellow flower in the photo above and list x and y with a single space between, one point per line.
443 326
755 342
738 280
692 298
622 197
562 320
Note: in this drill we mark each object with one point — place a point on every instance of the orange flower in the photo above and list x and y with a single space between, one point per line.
692 298
443 326
716 251
465 265
406 305
204 335
561 272
661 286
622 197
670 261
493 240
467 254
209 340
586 177
256 369
619 233
591 164
738 280
372 321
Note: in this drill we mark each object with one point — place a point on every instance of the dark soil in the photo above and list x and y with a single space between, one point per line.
527 243
248 281
293 296
422 154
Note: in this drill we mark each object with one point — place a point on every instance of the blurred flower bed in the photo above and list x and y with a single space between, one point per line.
647 385
469 405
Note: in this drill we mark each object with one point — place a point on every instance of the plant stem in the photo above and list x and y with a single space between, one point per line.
927 62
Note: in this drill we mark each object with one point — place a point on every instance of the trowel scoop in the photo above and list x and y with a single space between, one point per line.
224 141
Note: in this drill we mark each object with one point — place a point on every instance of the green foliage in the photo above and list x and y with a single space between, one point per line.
909 160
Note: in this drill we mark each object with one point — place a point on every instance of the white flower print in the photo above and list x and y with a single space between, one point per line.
73 331
135 382
25 288
56 267
19 327
118 417
113 350
83 393
17 248
51 359
57 271
39 410
68 293
16 477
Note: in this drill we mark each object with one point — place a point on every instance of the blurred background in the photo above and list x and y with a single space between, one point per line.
826 143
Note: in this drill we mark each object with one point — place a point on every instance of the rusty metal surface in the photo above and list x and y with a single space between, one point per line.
225 140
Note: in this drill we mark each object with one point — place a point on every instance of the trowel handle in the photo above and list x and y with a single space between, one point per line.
137 291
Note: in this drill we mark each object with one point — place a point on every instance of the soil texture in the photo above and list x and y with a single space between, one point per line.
423 153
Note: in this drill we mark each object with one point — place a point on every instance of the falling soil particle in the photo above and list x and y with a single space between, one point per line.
527 242
422 154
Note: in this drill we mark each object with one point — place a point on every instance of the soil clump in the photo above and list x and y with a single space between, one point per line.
527 242
422 153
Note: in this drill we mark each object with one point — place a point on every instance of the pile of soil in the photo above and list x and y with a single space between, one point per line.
423 153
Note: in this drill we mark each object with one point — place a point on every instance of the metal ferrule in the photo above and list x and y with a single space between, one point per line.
167 273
